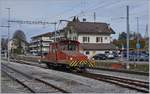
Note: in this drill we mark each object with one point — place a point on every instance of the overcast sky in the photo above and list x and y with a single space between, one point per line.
108 11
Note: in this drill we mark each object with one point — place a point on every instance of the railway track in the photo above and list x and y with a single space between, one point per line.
35 85
123 82
26 62
138 85
122 71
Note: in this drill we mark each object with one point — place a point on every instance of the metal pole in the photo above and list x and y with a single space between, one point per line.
55 31
0 45
8 34
41 42
94 16
127 35
137 38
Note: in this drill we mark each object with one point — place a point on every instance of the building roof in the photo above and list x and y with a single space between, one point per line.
41 35
90 27
97 46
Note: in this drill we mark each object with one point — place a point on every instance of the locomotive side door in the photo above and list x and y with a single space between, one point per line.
53 52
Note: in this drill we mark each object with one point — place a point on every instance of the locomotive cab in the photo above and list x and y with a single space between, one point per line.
69 47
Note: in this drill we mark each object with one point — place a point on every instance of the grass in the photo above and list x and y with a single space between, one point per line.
121 65
139 67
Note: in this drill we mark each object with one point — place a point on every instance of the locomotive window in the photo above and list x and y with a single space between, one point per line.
69 47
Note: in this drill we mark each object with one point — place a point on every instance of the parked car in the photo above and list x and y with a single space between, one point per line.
140 57
100 57
35 54
115 54
110 55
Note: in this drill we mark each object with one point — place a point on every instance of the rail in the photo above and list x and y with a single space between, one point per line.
138 85
35 79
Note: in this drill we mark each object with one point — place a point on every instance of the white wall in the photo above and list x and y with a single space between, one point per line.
93 38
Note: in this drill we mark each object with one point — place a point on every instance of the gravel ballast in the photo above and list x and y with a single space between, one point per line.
70 82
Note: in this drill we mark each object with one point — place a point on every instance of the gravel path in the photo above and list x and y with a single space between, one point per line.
71 82
119 74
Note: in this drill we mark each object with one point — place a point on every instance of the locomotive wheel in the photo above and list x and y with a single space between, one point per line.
50 66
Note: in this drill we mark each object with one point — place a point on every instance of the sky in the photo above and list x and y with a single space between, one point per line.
108 11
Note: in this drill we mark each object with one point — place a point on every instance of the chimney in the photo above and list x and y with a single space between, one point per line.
84 19
108 25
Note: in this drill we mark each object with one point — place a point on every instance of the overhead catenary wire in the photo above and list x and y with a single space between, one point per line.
89 10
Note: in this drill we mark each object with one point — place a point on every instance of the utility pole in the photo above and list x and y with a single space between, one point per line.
55 30
127 35
138 38
94 16
8 34
146 32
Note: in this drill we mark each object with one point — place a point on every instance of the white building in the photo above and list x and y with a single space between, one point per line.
13 45
94 37
40 43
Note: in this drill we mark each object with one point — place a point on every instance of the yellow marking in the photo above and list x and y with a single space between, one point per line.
78 63
71 64
74 63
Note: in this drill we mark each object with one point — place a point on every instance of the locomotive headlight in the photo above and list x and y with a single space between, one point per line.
71 58
92 58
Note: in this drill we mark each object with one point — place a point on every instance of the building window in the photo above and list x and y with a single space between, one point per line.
105 38
86 39
87 52
99 39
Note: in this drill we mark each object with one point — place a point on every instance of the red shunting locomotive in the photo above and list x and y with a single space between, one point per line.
65 54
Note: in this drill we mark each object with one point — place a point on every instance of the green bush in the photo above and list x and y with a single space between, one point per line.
18 51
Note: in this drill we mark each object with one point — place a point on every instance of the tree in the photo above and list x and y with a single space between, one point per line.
132 36
19 35
122 36
132 40
19 38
